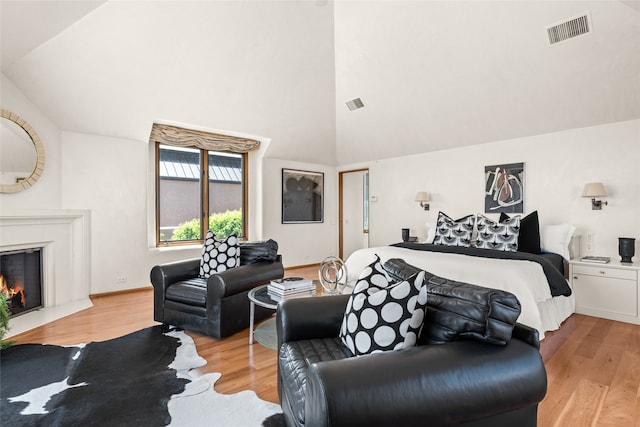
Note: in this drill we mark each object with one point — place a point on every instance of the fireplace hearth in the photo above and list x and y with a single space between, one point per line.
21 279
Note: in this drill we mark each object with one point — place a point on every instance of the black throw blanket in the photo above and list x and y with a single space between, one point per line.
557 283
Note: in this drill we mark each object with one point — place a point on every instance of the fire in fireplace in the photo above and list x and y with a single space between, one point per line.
21 279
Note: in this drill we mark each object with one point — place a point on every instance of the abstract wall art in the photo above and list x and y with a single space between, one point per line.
504 188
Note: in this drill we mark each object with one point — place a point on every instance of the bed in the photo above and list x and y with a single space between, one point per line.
536 280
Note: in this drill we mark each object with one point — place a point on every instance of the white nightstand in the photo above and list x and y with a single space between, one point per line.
606 290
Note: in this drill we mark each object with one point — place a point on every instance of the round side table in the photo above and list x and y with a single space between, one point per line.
260 296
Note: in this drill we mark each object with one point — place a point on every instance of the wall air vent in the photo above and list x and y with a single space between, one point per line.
569 28
354 104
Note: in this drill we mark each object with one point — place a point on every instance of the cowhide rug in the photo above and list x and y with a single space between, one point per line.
141 379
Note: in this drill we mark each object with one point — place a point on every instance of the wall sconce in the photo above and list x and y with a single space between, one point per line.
593 190
423 197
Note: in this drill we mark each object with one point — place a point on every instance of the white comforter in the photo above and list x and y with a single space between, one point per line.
525 279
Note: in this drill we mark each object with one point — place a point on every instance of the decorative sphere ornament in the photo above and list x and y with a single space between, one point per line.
332 274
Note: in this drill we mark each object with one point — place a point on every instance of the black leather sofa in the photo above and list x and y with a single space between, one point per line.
465 382
217 306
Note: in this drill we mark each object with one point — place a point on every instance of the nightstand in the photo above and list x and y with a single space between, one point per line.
606 290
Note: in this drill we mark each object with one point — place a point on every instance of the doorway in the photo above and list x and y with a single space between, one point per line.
353 208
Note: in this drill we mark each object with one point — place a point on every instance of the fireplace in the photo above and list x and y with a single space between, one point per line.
62 237
21 279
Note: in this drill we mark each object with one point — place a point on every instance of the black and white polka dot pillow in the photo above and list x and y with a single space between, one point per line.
218 254
374 277
382 315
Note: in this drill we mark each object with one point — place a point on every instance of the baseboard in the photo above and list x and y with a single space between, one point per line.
124 291
295 267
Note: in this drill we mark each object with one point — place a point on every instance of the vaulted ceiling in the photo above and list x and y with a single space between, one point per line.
432 74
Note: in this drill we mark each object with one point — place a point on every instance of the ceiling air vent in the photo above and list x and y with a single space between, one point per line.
568 29
354 104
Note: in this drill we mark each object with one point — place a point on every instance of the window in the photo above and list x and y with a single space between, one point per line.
201 184
198 190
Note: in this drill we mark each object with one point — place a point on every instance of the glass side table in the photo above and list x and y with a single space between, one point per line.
260 297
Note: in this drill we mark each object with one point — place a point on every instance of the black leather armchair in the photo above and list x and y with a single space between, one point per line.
466 382
217 306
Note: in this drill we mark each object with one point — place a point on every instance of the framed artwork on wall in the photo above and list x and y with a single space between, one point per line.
504 188
302 196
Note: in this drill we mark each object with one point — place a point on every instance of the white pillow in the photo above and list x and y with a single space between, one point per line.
431 233
556 239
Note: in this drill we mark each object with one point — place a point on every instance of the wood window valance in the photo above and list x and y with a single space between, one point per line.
182 137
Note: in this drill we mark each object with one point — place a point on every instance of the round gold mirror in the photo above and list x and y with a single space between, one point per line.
21 154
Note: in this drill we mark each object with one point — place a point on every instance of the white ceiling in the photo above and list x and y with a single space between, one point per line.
436 75
26 24
432 74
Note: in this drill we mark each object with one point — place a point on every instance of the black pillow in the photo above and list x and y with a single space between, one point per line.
529 237
251 252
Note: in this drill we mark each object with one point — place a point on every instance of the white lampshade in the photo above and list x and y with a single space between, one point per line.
422 196
594 189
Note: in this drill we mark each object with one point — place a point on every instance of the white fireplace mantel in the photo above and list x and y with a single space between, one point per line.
65 239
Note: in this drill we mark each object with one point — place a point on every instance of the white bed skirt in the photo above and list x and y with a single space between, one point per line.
555 311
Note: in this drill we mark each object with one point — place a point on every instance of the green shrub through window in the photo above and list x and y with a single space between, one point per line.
222 224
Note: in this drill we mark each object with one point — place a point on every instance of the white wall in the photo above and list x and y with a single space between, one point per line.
299 244
557 165
108 176
45 193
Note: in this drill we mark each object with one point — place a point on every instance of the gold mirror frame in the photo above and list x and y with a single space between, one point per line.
37 171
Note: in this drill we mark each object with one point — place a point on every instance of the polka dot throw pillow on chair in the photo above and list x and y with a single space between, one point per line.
218 254
382 315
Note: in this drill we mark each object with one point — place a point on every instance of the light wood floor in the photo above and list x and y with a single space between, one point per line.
593 365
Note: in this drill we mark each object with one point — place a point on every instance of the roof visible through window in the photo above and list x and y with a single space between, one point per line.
186 165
